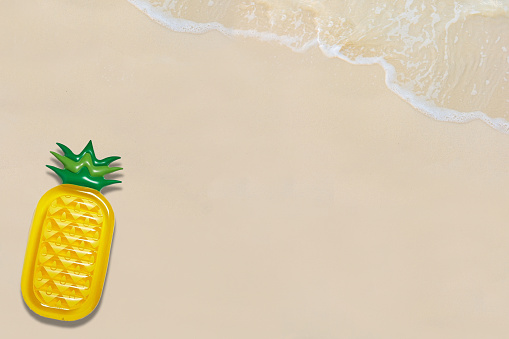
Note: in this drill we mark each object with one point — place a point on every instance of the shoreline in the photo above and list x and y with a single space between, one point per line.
420 103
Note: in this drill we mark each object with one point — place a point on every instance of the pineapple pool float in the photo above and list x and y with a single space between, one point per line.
69 243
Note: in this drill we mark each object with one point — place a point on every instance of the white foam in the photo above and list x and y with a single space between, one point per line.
425 106
188 26
422 104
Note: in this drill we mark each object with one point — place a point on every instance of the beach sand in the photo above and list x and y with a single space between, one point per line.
266 193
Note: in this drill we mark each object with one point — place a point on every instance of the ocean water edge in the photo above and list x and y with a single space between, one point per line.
449 59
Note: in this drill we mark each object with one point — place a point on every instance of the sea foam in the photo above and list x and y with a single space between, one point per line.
449 59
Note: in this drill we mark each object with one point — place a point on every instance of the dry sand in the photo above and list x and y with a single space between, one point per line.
266 194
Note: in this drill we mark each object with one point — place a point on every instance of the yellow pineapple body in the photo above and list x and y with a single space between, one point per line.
68 252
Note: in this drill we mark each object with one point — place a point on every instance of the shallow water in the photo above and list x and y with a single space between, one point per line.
449 59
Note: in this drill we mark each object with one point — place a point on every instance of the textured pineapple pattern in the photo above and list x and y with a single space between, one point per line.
67 253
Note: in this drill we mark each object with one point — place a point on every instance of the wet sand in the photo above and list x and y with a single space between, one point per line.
250 207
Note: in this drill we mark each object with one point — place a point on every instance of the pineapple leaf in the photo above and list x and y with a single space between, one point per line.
89 148
82 178
86 161
84 169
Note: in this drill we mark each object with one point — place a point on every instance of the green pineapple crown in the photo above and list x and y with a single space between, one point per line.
84 169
